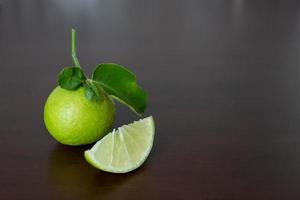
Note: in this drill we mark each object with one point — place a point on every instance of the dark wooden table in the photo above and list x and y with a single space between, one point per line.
223 78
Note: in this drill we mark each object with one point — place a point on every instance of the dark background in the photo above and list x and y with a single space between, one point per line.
223 79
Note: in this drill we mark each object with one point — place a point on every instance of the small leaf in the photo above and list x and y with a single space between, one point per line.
71 78
92 91
120 83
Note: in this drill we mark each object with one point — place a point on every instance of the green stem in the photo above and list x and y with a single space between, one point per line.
74 49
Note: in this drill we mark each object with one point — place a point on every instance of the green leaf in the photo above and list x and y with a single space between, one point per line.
120 83
71 78
92 91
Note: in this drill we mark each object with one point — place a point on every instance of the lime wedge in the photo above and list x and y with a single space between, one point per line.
124 149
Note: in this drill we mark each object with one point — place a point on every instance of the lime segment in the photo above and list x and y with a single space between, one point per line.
124 149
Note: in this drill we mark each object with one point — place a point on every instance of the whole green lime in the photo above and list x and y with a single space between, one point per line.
72 119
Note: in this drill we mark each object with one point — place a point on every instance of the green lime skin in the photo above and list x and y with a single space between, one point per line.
74 120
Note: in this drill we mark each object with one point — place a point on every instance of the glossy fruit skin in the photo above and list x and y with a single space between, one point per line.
74 120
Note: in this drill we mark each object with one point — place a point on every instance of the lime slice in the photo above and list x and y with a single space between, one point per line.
124 149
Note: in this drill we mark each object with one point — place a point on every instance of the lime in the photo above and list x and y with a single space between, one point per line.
124 149
72 119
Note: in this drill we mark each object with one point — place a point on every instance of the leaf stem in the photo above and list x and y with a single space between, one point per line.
74 49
